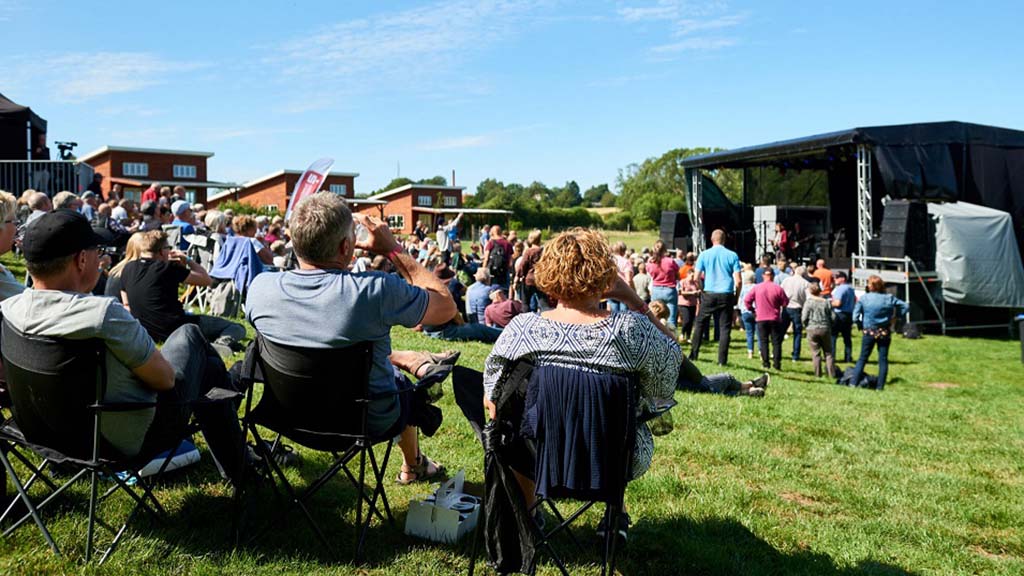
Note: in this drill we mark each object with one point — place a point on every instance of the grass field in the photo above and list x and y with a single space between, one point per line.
926 477
636 240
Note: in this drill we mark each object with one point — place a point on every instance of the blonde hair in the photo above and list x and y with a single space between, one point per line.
659 309
533 238
575 264
242 223
132 251
8 205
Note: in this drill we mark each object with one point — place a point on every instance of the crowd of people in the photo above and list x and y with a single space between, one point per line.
102 267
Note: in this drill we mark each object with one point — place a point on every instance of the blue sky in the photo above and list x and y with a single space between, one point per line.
537 90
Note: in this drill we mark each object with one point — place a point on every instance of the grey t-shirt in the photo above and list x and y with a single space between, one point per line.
80 316
334 309
9 285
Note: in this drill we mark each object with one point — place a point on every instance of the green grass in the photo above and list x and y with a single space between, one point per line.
924 478
637 240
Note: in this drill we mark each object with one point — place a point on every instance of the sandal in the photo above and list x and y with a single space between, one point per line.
420 472
448 359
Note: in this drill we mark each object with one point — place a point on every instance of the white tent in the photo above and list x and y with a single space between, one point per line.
976 256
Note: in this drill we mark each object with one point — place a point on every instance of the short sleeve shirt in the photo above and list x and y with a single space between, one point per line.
718 265
81 316
152 287
335 309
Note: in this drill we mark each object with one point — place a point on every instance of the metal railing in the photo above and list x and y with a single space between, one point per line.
49 176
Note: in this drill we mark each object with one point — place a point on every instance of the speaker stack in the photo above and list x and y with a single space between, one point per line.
907 231
676 231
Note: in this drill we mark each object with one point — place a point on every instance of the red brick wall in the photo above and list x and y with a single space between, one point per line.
161 168
277 191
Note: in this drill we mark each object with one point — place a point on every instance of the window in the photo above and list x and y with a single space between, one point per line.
396 221
133 194
190 196
450 201
184 171
271 207
339 189
424 200
135 169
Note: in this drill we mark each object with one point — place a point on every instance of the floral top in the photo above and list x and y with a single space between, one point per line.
623 342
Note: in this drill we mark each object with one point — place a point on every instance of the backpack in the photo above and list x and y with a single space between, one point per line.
496 264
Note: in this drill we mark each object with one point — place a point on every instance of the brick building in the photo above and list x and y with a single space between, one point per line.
274 190
136 168
406 205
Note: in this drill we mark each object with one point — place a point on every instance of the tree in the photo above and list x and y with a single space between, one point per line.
395 183
595 194
567 196
435 181
608 199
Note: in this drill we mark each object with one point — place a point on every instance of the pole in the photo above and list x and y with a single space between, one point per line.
865 206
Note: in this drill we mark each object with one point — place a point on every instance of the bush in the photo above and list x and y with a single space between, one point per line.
246 208
618 220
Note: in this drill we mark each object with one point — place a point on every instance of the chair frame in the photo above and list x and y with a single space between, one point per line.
94 468
361 445
612 508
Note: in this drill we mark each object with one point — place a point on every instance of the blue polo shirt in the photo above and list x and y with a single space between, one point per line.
718 265
843 293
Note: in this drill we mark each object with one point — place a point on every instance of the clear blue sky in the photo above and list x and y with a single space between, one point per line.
519 91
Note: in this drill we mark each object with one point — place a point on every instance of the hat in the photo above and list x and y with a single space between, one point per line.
179 207
840 274
88 194
148 208
443 272
57 234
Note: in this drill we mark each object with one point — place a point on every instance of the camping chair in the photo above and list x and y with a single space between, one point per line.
541 406
201 249
236 265
307 400
173 232
57 388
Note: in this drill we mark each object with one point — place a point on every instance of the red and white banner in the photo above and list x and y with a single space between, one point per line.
310 183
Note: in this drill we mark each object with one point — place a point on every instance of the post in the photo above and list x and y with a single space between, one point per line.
865 226
697 205
28 139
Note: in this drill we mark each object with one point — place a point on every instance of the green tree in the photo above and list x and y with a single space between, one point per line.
608 199
395 183
435 181
568 196
595 194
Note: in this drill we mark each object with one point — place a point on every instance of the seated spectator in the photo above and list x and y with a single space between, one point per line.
280 251
478 296
40 204
122 211
9 285
323 305
149 289
501 311
90 204
150 217
67 201
183 219
577 269
62 257
692 380
132 252
274 233
245 225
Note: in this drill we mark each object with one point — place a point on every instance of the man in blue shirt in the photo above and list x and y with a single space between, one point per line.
183 219
843 300
478 295
718 273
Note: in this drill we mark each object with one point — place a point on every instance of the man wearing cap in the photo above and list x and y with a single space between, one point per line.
96 186
62 256
184 220
843 301
90 201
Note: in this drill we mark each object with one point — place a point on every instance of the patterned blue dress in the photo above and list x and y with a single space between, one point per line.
624 342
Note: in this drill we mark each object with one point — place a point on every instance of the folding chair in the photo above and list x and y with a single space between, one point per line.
550 406
201 248
57 388
319 398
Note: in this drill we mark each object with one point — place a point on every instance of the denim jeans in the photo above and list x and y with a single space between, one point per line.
616 306
718 305
670 297
749 328
866 345
844 326
473 332
221 330
692 380
792 316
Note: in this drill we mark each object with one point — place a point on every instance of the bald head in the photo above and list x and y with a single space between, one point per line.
40 201
820 263
718 236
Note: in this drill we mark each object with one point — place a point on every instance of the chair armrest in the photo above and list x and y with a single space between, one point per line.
651 412
213 396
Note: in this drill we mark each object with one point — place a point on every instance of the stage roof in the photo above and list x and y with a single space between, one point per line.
924 134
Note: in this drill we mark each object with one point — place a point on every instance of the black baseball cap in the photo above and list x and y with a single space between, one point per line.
57 234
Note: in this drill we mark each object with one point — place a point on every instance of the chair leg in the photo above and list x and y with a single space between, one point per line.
79 475
360 532
92 514
28 503
378 474
611 522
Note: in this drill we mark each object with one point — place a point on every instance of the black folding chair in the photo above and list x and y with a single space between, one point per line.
615 449
319 398
57 388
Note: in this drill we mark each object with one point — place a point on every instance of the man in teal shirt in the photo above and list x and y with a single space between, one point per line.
718 274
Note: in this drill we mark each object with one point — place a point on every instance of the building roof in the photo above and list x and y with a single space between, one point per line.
400 189
106 149
147 181
461 210
262 179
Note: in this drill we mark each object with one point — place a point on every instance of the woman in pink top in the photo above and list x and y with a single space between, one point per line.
664 274
689 294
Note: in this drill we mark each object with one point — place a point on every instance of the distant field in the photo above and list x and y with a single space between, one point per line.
636 240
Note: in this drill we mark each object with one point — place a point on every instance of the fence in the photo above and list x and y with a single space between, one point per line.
49 176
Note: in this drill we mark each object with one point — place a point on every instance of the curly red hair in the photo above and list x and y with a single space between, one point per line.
575 264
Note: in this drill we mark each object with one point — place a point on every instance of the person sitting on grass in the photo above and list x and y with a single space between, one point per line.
578 270
62 256
149 289
478 295
502 310
321 304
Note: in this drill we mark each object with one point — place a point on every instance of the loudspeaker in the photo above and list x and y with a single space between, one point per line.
674 225
907 231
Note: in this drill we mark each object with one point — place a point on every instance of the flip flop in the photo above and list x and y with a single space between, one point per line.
448 357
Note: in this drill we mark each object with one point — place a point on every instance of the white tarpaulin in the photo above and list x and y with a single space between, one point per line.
976 256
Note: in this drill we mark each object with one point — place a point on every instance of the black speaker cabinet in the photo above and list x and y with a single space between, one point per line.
674 225
908 231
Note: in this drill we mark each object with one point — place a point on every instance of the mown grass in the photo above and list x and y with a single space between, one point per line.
923 478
